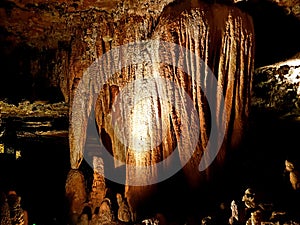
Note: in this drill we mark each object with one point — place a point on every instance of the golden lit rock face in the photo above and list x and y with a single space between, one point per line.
225 43
222 36
64 33
45 25
237 33
75 191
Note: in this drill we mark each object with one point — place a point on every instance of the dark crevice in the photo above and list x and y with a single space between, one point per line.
276 33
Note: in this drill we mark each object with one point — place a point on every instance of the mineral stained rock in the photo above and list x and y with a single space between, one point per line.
276 88
75 192
141 132
224 42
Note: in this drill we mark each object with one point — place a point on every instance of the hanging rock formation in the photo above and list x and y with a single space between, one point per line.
222 36
75 34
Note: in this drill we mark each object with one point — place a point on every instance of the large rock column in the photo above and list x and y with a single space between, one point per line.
222 36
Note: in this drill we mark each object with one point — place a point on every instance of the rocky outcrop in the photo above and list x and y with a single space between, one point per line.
56 34
291 7
76 193
98 187
276 88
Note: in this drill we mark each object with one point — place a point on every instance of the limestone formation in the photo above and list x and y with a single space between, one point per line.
276 88
235 217
226 37
4 211
255 219
18 216
75 193
124 214
249 198
65 37
222 42
106 216
225 43
98 187
294 174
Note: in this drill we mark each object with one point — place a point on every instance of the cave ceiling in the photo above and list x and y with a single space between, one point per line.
45 24
37 28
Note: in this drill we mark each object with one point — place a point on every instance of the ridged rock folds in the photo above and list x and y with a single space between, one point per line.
222 36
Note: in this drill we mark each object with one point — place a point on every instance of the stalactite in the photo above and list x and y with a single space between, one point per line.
224 48
225 44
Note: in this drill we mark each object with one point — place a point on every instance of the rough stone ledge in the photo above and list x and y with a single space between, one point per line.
276 88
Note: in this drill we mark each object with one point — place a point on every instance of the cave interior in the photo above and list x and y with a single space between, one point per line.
29 71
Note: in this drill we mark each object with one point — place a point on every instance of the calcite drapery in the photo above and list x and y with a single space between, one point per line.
222 36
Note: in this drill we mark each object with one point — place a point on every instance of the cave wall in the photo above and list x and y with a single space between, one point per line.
51 36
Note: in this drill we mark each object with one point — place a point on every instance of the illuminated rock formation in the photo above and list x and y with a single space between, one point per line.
61 40
75 192
50 46
224 42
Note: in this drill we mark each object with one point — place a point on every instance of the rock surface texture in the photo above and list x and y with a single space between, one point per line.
49 47
277 88
224 43
74 35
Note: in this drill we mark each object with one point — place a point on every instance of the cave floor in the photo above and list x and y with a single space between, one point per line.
39 175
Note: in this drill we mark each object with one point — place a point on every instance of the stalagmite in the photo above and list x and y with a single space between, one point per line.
75 192
98 187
